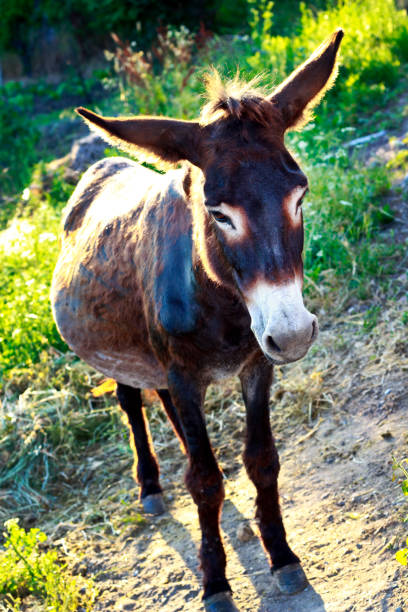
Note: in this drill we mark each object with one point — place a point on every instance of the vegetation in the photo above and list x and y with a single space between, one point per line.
48 418
89 22
400 466
27 568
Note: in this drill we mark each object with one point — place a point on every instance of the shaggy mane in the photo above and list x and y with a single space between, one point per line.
237 99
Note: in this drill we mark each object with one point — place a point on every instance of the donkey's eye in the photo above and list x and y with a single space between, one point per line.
222 218
300 201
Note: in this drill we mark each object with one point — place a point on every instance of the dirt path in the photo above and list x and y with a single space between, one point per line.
341 514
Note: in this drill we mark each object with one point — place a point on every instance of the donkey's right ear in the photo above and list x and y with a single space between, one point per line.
169 140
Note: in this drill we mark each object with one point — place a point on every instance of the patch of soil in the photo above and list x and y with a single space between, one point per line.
342 515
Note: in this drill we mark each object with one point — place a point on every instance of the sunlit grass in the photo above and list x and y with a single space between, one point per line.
26 568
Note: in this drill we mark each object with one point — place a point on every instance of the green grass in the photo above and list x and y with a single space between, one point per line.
344 213
372 63
28 252
26 568
401 468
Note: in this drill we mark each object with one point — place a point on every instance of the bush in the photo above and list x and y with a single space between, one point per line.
26 568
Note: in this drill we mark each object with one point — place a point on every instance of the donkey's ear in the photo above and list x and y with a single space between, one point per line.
304 88
169 140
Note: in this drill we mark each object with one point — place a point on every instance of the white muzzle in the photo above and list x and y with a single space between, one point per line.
282 325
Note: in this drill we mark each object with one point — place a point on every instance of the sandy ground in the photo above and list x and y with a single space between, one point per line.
341 514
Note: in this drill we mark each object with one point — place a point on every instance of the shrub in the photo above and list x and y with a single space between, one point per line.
26 568
399 466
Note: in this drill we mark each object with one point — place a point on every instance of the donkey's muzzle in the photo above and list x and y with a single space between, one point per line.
284 328
284 344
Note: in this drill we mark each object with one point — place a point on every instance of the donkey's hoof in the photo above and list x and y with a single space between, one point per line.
220 602
154 504
291 579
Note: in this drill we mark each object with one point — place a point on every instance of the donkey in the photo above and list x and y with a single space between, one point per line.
174 281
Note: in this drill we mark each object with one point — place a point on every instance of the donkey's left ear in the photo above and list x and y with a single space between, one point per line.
304 88
156 138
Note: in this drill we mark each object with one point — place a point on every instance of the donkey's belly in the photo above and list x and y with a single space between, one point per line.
129 367
108 332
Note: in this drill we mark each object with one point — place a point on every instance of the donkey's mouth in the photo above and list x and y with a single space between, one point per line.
277 361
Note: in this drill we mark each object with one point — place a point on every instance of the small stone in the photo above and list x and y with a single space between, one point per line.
71 176
80 568
245 532
86 151
386 435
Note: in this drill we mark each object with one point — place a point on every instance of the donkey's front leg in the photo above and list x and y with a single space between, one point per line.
262 465
204 481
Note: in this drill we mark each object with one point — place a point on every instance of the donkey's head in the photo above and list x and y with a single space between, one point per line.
247 191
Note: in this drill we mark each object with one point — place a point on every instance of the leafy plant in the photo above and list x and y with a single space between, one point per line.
163 80
27 568
402 554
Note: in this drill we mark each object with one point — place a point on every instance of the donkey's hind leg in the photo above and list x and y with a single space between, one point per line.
146 469
172 414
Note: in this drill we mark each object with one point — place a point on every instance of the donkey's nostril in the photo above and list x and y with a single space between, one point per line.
271 344
314 328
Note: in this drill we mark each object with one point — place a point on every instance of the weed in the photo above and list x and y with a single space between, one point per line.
163 80
402 554
27 568
28 251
